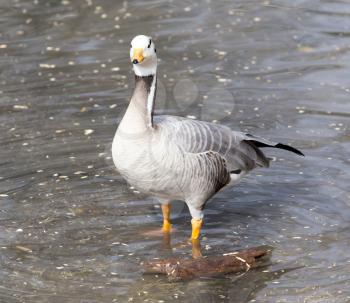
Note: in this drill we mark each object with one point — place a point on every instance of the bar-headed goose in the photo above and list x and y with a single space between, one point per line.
174 157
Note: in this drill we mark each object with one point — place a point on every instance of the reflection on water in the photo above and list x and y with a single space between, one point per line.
71 230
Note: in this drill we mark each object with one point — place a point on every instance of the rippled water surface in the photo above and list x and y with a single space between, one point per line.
71 230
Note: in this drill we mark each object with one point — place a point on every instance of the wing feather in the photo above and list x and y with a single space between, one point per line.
199 137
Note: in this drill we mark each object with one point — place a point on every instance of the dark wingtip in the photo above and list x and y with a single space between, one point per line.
290 148
236 172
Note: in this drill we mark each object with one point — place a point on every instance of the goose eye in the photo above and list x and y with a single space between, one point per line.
149 44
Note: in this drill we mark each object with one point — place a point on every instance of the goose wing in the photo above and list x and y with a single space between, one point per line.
239 150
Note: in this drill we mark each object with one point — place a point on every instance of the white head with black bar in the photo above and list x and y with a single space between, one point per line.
143 56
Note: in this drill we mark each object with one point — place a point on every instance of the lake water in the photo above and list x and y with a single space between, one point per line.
71 230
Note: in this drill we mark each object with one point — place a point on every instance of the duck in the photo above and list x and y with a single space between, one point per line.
178 158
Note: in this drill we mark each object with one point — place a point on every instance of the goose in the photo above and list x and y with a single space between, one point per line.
177 158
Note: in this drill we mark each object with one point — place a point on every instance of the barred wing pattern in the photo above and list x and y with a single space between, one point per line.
237 149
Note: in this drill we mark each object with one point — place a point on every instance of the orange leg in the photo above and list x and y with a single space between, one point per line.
166 218
196 228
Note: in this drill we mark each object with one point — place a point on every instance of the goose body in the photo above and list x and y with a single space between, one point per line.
174 157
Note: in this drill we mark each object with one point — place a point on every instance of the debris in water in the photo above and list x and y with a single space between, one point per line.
88 132
46 65
23 248
20 106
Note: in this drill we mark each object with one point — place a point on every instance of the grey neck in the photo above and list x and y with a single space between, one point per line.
147 86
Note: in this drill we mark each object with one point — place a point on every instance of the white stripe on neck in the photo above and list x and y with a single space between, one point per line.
146 69
151 99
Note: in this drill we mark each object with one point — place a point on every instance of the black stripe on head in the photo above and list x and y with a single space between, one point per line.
149 44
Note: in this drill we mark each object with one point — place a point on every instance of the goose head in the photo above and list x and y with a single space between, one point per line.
143 56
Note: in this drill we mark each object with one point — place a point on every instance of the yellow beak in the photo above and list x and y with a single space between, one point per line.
137 56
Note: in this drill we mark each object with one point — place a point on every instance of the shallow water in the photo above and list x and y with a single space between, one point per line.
71 230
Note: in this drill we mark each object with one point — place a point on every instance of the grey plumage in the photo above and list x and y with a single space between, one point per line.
178 158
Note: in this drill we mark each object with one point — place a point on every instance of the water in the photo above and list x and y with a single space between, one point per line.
71 229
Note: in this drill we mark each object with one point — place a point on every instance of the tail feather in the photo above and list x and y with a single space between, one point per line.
289 148
259 142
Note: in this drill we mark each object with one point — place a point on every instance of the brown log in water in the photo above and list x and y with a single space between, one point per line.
184 269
